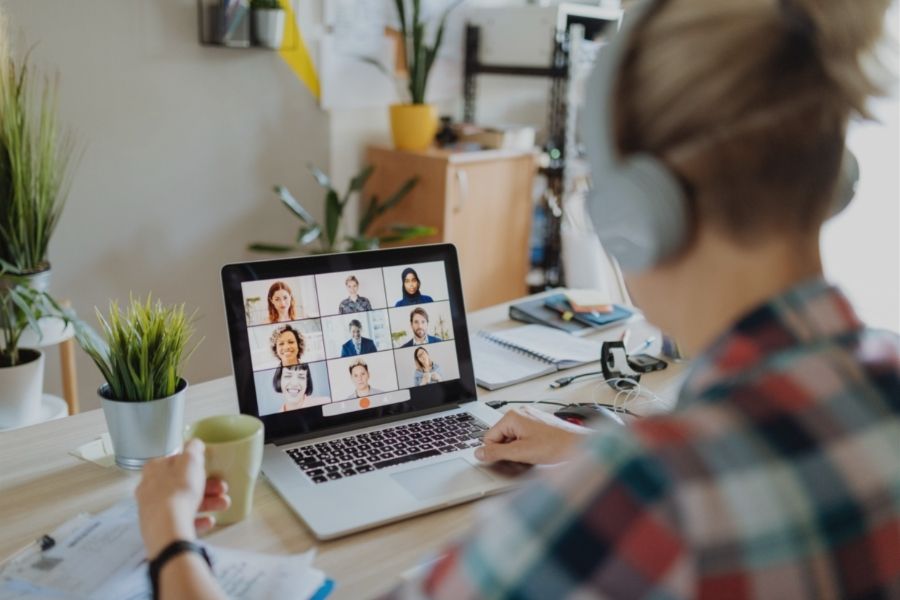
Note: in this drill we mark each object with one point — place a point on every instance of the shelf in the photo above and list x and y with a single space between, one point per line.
242 37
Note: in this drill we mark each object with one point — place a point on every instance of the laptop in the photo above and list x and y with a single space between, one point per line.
360 367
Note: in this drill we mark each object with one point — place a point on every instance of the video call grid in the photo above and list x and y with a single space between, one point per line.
330 362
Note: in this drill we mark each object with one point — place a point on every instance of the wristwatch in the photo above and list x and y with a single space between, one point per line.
167 554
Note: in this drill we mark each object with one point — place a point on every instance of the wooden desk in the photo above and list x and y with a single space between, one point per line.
41 486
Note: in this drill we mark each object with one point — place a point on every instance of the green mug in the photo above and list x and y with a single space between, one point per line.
234 449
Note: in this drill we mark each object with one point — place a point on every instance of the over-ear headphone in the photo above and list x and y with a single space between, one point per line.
616 370
637 205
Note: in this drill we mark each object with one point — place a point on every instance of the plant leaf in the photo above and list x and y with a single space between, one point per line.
378 65
397 196
308 235
321 178
365 221
295 207
362 243
333 210
357 183
402 233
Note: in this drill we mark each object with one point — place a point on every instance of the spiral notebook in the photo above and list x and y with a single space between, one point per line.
511 356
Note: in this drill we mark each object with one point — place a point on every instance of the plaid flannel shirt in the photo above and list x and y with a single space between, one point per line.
777 476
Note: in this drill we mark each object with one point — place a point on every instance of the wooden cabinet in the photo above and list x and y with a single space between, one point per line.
479 201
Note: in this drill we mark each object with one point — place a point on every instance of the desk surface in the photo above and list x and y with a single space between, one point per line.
41 485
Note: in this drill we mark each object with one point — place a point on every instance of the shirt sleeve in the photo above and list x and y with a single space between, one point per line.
603 525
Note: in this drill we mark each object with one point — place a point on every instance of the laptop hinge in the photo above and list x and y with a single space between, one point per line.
310 435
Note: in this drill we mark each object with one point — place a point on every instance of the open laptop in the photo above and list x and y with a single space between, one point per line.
360 367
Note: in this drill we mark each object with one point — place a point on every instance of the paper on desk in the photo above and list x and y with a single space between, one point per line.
102 557
100 451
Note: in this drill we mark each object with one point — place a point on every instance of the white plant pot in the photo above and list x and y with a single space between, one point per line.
21 388
140 431
268 27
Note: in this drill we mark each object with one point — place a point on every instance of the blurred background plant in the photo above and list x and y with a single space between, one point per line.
311 231
417 56
21 307
35 156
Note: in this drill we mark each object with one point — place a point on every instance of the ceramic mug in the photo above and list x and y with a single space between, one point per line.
234 449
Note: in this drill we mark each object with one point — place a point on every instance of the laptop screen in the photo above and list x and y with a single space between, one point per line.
326 342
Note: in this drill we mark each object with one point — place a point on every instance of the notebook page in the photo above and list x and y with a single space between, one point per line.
497 366
557 346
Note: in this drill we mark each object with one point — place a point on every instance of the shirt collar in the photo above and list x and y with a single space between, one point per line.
807 313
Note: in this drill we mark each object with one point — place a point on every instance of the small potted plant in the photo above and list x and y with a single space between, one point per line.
268 23
415 123
312 231
140 355
22 369
35 157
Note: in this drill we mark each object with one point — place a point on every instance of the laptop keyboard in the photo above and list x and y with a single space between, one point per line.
366 452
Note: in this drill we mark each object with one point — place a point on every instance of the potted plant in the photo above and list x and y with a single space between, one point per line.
268 23
415 123
34 165
140 355
312 231
22 369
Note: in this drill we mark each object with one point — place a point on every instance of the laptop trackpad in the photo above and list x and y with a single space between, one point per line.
441 479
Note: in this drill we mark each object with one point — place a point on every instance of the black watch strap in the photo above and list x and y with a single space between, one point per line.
167 554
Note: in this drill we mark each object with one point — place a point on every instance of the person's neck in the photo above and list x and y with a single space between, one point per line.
353 297
718 282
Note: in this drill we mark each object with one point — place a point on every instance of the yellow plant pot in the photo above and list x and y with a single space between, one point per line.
413 126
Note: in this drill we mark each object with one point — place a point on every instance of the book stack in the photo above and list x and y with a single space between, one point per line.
564 311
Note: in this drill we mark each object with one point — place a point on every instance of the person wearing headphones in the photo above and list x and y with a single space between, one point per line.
715 135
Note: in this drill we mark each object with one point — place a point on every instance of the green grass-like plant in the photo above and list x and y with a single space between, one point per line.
140 351
35 156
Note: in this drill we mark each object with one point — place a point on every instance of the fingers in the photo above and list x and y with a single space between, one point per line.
214 503
506 429
216 487
516 451
204 523
194 448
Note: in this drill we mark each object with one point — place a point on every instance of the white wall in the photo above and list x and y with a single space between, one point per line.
181 145
861 246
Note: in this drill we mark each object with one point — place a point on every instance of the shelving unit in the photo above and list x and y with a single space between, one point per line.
573 24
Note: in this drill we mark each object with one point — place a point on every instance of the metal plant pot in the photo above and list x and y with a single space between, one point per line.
141 431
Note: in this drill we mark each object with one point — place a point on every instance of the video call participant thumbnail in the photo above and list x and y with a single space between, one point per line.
354 302
359 373
411 292
357 344
281 304
418 321
287 345
295 384
427 371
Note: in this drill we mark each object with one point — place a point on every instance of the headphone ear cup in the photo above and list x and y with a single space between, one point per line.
639 212
847 183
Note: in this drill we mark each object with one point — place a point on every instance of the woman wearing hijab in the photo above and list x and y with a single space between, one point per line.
411 293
